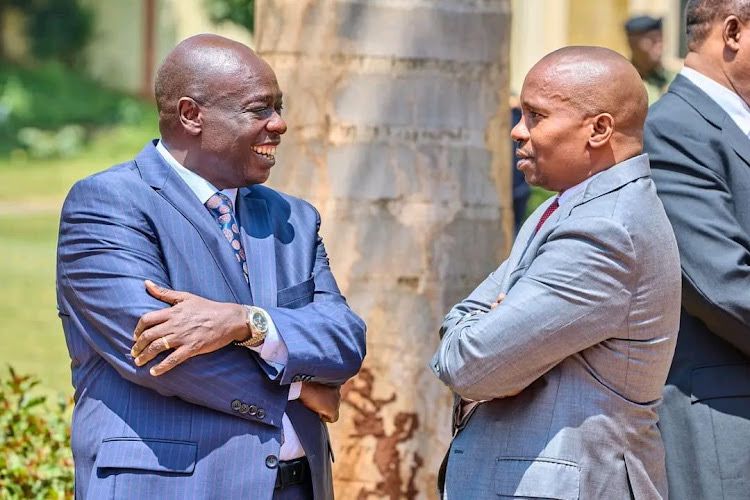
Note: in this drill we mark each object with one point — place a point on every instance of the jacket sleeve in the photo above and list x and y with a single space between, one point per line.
107 247
325 339
574 290
690 169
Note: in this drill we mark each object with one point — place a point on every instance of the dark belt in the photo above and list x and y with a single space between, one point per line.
292 472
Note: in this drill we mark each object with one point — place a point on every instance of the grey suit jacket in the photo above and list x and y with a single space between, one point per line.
701 163
573 361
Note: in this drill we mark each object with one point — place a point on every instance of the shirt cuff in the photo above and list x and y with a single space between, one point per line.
295 388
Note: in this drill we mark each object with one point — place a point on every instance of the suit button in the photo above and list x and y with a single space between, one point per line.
296 378
244 408
236 405
253 409
272 462
261 413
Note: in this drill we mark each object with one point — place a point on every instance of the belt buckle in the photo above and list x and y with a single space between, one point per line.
292 472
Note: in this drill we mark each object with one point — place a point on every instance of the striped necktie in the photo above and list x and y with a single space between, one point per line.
221 208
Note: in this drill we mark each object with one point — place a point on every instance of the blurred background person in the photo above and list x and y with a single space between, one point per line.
521 190
646 42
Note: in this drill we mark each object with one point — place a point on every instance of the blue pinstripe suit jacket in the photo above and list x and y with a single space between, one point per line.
188 433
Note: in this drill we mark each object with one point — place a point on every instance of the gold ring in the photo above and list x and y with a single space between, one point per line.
166 343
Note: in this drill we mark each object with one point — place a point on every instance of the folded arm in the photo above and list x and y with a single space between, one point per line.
107 248
325 339
575 289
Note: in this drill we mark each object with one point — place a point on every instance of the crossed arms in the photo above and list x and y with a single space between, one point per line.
560 306
108 248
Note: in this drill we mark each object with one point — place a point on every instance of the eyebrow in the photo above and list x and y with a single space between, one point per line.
253 98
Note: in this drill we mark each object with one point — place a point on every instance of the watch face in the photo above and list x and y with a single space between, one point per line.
259 322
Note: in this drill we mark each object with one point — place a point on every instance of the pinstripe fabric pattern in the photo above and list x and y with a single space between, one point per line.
177 435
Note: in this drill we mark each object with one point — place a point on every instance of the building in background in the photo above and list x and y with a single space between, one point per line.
129 38
541 26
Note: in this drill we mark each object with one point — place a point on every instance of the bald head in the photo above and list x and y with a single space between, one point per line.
198 67
583 112
596 80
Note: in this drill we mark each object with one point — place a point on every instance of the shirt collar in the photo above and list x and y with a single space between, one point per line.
197 184
729 101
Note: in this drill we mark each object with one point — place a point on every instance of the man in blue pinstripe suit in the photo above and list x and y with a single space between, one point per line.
207 335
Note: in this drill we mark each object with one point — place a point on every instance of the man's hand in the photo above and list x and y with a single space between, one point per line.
499 300
192 326
322 399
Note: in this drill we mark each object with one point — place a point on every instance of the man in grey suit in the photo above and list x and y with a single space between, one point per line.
697 139
559 357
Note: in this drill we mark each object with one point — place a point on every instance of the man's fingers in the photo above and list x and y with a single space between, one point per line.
174 359
147 336
154 348
498 301
171 297
149 320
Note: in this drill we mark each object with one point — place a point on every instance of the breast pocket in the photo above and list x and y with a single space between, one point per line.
297 295
519 477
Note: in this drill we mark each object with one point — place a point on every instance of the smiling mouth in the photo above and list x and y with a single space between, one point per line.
268 151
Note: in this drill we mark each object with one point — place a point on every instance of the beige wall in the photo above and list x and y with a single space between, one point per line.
540 26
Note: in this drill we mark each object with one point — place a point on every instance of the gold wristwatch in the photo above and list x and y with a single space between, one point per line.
257 325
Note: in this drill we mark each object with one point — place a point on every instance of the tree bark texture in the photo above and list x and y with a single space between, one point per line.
398 133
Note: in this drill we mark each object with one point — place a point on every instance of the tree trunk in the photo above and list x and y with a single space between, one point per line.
398 133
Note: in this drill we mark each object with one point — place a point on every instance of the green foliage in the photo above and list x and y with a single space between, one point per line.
538 196
241 12
48 100
58 29
36 461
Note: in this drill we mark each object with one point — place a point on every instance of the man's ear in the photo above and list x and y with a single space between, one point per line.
190 115
731 32
602 127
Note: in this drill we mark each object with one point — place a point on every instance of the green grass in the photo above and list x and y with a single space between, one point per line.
31 193
31 336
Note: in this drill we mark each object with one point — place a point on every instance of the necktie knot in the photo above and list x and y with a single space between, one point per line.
219 204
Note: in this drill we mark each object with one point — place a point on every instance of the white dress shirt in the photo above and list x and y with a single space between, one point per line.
273 350
727 99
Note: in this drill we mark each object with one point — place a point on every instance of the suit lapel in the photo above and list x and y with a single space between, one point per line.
169 185
608 181
739 141
714 114
259 242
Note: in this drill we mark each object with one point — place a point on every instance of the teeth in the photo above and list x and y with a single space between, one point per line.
265 150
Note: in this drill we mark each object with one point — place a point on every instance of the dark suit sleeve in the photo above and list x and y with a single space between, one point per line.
325 339
107 247
690 164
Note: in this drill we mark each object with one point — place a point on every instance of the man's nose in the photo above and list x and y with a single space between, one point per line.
520 133
276 124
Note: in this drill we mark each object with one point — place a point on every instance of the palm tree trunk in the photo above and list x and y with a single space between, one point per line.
398 133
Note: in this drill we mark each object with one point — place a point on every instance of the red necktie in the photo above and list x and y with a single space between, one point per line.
550 209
